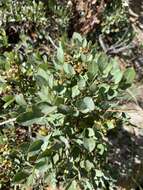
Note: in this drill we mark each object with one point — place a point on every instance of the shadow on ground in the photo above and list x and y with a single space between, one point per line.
126 149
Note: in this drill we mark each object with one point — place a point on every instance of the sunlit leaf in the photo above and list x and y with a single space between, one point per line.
101 148
75 91
99 173
73 185
20 100
89 144
60 54
46 108
86 105
129 75
69 69
77 36
93 69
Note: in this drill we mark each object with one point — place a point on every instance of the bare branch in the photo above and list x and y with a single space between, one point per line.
8 121
102 44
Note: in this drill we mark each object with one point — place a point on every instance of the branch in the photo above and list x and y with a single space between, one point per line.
102 44
125 110
52 42
115 48
115 51
8 121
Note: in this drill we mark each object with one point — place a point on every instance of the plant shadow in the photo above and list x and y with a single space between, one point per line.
126 157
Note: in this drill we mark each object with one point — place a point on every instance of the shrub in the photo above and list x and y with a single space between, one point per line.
75 100
68 95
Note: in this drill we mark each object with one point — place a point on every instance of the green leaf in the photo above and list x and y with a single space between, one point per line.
93 87
102 60
20 100
89 165
75 91
127 79
40 165
107 69
117 76
116 71
46 94
86 105
56 158
89 58
36 145
51 180
73 185
65 141
46 153
90 132
92 69
44 78
84 43
24 147
82 164
89 144
77 36
69 69
101 148
110 124
87 184
9 100
104 88
112 93
78 141
43 74
99 173
30 180
60 54
2 80
81 83
64 109
46 108
29 118
129 75
22 175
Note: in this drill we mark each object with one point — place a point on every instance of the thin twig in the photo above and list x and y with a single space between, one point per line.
52 42
115 48
8 121
114 51
124 110
103 45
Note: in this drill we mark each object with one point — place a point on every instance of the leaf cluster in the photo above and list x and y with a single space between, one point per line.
76 92
70 92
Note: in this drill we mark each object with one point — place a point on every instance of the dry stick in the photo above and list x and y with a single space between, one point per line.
8 121
114 49
102 44
125 110
52 42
